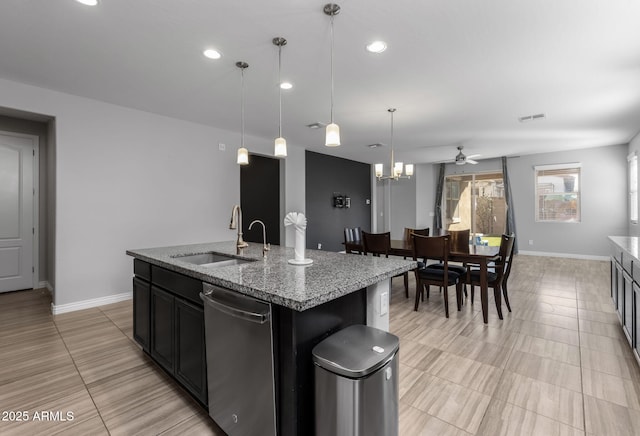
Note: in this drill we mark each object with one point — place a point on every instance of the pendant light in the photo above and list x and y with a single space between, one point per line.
280 146
333 131
243 153
395 168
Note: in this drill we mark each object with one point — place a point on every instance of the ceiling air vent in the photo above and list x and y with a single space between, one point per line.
531 118
317 125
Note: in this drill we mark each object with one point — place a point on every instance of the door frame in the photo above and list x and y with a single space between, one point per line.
35 261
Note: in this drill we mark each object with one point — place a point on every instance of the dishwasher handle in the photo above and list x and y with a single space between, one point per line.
258 317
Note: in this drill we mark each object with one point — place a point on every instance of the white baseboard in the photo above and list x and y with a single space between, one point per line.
565 255
47 285
87 304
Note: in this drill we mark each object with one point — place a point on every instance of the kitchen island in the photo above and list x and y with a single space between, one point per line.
308 304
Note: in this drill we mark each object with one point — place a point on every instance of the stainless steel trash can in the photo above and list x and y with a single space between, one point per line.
356 383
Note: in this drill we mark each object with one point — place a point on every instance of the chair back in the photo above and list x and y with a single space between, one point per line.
352 234
459 240
353 240
408 231
503 265
509 254
431 248
376 243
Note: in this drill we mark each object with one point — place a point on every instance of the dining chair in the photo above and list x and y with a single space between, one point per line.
459 243
408 231
497 279
435 248
379 244
353 240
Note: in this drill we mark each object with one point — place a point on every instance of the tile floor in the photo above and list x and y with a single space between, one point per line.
557 365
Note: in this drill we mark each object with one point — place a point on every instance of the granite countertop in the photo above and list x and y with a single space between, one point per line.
330 276
628 244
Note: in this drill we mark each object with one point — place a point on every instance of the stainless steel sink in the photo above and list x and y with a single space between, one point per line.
212 259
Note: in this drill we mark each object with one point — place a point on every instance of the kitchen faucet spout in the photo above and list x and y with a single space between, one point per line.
236 221
265 247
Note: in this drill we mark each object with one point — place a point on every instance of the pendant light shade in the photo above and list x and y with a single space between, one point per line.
243 153
243 156
280 144
280 147
408 169
332 138
333 135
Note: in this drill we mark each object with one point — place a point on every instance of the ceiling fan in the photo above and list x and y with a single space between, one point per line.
461 159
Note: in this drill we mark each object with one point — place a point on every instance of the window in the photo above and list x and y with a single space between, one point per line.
558 193
633 187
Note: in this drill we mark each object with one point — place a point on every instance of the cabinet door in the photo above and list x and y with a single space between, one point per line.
191 361
619 295
162 328
627 314
636 320
141 312
614 280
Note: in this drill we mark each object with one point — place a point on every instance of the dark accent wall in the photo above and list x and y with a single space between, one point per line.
260 198
326 175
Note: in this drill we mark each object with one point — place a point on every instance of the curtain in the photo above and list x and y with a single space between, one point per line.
437 218
511 220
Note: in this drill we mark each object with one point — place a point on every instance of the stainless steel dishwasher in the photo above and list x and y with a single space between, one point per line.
240 375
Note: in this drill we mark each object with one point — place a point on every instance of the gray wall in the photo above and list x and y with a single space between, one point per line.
603 200
324 176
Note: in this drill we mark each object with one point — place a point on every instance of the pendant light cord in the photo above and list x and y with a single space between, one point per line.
280 90
393 170
332 43
242 107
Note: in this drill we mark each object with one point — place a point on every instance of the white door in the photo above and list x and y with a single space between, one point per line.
16 211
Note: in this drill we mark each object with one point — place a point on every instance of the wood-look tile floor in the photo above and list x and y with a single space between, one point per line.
557 365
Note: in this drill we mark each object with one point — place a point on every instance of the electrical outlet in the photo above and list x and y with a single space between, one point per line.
367 201
384 303
530 241
221 146
319 246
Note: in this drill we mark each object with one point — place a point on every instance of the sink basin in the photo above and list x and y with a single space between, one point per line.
212 260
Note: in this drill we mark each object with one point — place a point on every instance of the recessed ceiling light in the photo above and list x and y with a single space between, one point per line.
88 2
286 85
212 54
377 47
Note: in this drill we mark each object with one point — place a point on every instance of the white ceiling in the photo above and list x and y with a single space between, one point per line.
459 72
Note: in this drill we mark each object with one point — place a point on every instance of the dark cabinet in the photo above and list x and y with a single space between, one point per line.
627 313
619 294
162 328
142 312
168 320
636 320
190 357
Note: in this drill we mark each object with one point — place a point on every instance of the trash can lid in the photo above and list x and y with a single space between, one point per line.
356 351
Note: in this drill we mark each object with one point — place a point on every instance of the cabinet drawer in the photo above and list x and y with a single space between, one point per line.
181 285
142 269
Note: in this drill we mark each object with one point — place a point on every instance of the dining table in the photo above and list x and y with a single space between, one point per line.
480 255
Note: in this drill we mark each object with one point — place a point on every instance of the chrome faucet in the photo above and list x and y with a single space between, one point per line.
265 247
236 212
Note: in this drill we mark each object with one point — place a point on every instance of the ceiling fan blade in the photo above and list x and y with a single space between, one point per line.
471 161
473 156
